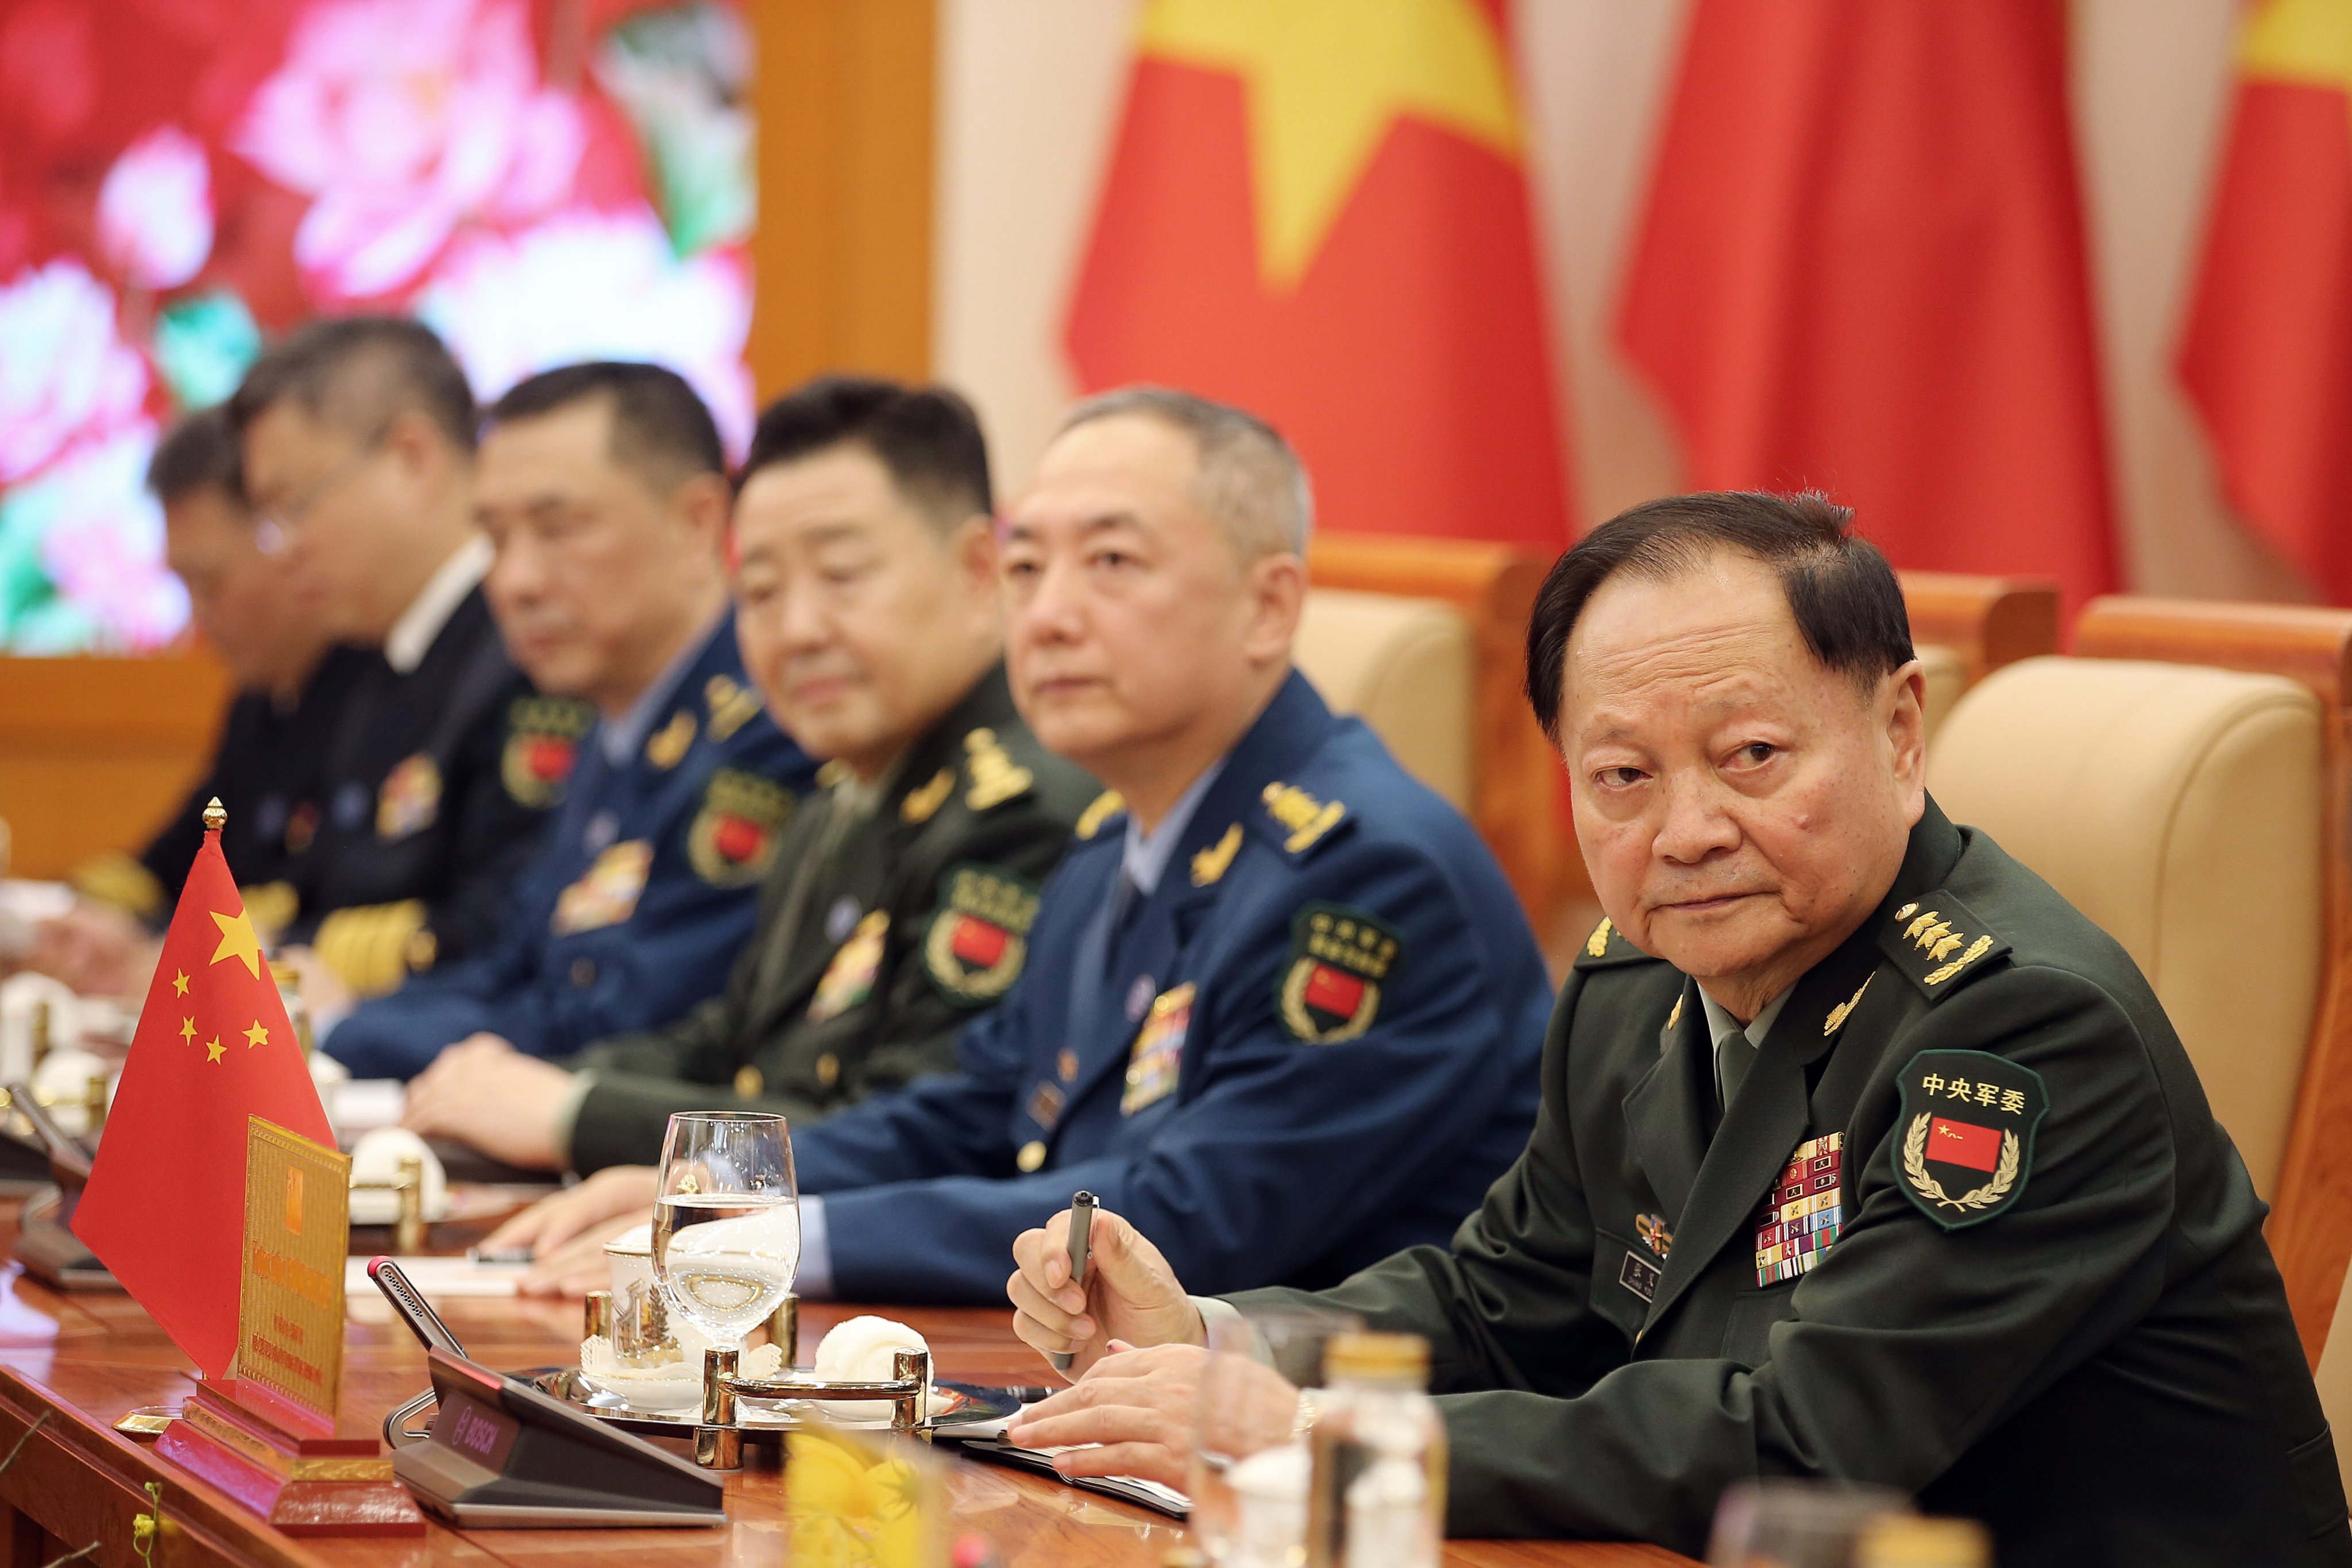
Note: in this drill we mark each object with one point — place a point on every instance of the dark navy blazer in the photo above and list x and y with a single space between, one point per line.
642 891
1265 1157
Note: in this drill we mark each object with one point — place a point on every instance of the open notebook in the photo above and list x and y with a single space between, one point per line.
985 1440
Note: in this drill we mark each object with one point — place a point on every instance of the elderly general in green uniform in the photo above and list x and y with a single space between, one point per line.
866 605
1862 1156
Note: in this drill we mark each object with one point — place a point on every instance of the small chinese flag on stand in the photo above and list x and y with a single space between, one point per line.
164 1209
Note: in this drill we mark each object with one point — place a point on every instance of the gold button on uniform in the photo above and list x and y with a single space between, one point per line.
749 1083
1032 1155
829 1069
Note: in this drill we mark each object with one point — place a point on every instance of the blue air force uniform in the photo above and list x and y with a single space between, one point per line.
644 889
1314 1039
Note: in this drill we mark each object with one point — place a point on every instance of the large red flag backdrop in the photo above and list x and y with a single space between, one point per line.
1317 210
1862 271
164 1209
2268 352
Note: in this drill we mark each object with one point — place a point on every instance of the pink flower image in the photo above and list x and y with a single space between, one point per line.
589 285
102 542
403 120
65 375
155 210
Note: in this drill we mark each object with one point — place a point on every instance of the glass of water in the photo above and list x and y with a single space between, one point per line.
726 1223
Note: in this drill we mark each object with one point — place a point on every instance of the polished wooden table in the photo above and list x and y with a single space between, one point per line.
70 1365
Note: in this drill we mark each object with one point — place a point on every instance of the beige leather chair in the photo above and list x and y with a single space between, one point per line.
1404 667
2180 808
1945 676
2185 780
1426 639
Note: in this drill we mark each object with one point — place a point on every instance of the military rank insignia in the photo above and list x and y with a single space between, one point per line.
1155 1062
733 837
543 735
1800 1219
732 705
1964 1144
849 978
996 776
1340 957
607 893
980 934
410 800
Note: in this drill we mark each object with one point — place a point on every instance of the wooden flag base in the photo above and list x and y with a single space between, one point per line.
285 1464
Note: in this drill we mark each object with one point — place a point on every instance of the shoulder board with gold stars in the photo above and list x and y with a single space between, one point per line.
1296 820
1607 947
996 776
732 705
1108 805
1938 944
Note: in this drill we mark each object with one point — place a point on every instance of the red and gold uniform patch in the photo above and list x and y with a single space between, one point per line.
980 937
731 841
543 735
1340 957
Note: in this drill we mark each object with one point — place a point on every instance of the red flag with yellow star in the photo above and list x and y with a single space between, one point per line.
164 1210
1318 210
2267 356
1862 269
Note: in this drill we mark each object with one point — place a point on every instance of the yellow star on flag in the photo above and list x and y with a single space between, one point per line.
212 1049
256 1036
238 940
1325 77
179 983
2306 41
188 1030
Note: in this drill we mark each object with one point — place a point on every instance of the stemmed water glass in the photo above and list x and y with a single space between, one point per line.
727 1222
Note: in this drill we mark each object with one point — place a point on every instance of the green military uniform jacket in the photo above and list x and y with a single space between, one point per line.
880 932
1969 1229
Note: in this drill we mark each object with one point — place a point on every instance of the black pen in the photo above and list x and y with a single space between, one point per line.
1082 1235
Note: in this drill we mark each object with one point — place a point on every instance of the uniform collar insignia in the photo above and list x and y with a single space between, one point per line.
922 802
1108 805
1209 864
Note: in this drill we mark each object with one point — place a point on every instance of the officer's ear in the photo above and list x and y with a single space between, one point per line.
702 505
1899 708
1276 587
970 545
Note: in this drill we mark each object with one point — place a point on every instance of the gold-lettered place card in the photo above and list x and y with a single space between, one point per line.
298 1211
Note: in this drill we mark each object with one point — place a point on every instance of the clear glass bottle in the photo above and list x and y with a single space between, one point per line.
1376 1489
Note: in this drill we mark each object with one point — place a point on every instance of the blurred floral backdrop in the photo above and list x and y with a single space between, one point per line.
540 179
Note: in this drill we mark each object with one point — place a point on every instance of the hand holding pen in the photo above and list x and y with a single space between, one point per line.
1129 1293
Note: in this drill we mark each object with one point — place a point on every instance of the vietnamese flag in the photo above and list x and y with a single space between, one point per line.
2267 353
1862 271
1317 210
164 1209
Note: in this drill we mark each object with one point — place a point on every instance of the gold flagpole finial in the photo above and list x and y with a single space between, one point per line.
215 815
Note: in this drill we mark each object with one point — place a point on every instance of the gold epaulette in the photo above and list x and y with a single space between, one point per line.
1935 940
374 947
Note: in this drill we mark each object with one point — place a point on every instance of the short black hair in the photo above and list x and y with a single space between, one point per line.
928 437
1843 595
661 431
201 453
358 374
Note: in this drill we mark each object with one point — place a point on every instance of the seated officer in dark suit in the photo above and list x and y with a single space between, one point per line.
1862 1157
358 447
866 604
1280 999
603 490
290 691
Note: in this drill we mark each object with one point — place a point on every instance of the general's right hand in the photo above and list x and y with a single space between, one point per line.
1130 1294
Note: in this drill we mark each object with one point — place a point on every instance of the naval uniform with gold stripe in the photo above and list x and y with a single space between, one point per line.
1314 1041
890 920
1968 1230
637 901
421 836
